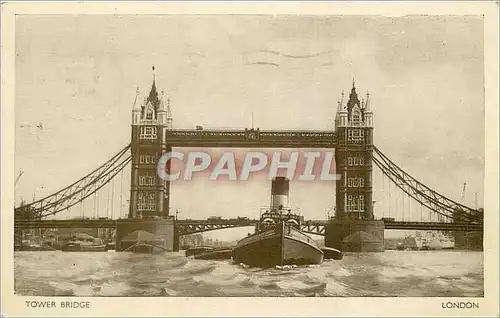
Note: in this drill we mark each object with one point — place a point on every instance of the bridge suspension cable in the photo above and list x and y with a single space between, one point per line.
79 190
436 202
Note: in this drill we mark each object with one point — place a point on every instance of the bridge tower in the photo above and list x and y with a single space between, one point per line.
149 195
354 131
353 226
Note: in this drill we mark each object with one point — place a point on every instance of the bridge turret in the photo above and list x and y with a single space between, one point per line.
136 110
341 119
164 112
367 112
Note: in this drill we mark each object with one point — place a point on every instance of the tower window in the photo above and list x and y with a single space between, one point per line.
147 159
356 117
349 203
147 180
356 135
148 133
355 161
355 182
149 114
146 201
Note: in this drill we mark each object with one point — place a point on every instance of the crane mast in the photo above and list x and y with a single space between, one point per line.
18 177
463 193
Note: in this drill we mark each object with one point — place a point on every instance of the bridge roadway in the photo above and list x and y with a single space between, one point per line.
185 227
251 138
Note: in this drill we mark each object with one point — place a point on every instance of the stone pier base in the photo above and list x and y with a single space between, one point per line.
163 228
469 240
355 235
177 243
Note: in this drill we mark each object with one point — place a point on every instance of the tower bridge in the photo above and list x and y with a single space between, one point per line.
153 134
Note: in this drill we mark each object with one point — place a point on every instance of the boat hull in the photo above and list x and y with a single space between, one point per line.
277 247
145 249
83 248
215 255
198 250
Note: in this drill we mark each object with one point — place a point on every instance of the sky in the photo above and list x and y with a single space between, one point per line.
77 75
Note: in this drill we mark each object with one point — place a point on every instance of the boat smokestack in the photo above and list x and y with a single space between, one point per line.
279 193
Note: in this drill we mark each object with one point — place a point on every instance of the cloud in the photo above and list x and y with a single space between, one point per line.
301 56
264 63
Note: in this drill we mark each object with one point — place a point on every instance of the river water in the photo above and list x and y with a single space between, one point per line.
392 273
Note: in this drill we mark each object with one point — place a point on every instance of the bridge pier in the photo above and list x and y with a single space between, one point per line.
468 240
355 235
177 242
163 228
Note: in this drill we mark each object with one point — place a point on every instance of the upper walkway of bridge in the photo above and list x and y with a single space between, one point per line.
250 138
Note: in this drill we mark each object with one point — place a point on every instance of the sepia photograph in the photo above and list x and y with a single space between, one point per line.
249 155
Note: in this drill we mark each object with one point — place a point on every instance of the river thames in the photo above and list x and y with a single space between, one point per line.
390 274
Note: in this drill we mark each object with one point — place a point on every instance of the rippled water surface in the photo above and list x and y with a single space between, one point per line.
392 273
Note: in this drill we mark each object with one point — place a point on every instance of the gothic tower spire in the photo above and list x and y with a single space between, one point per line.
153 94
353 98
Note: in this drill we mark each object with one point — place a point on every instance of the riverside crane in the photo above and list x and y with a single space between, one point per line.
463 193
18 177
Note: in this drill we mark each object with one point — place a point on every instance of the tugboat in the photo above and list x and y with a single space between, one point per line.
278 240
